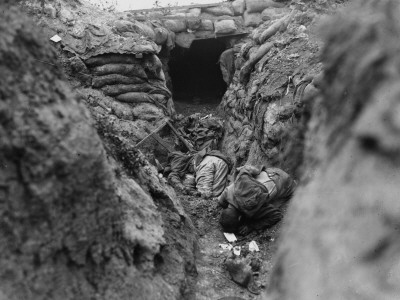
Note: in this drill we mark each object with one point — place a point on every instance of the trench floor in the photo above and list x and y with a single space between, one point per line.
213 280
187 108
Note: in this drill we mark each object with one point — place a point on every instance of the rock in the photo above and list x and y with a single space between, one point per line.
239 270
50 10
67 17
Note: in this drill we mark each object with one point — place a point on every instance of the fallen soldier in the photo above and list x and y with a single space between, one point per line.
212 173
254 200
210 168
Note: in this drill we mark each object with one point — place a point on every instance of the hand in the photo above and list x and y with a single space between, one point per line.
245 230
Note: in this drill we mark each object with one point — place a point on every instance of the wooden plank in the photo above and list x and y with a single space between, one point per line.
177 7
187 145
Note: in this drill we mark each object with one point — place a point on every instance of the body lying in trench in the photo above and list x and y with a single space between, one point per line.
252 201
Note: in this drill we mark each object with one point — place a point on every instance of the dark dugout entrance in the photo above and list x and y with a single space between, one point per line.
195 73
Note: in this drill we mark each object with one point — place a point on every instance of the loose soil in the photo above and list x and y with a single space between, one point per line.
189 108
214 281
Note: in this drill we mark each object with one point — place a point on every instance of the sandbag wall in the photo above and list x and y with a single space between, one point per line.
276 71
188 24
130 79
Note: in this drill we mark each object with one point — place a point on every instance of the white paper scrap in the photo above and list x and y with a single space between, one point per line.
253 247
56 38
226 246
230 237
236 250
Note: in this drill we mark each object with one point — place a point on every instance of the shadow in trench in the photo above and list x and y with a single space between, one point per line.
195 73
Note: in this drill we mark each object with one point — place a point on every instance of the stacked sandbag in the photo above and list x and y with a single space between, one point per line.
130 79
225 26
238 7
125 26
272 14
221 10
227 65
251 19
184 39
177 25
257 6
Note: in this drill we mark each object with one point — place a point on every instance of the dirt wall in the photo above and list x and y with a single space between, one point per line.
266 105
341 238
82 216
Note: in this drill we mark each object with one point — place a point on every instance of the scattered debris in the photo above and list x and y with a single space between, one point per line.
226 246
55 38
253 247
230 237
240 271
236 250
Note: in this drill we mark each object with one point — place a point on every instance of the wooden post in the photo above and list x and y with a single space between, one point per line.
187 145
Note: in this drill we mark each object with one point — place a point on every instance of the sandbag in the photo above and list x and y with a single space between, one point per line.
251 19
135 97
278 25
155 15
111 58
136 27
122 69
271 14
225 26
118 89
100 81
153 67
175 25
204 34
184 39
222 10
257 6
238 7
193 24
159 87
193 13
227 65
206 25
248 66
161 35
147 111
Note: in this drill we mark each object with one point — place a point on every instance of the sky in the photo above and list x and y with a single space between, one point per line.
142 4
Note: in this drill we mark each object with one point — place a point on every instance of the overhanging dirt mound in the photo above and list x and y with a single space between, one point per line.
74 223
342 238
112 64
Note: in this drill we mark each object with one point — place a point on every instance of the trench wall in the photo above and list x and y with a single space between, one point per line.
275 72
83 214
341 237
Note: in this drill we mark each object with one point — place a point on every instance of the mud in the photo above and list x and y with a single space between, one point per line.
213 279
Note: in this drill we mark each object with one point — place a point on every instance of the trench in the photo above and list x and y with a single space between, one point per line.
197 85
196 79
